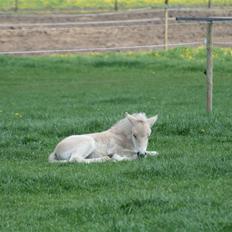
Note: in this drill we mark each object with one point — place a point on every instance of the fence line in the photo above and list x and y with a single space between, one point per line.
20 26
98 49
105 22
83 23
102 49
110 23
222 43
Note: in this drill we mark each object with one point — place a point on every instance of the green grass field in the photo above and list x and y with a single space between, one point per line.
187 188
104 4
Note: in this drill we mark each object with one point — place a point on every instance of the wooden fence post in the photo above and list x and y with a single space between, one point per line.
209 72
166 25
116 5
209 49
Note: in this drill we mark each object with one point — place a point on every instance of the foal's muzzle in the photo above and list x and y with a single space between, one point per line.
141 155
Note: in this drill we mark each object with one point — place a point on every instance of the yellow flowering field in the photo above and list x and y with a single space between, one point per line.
103 4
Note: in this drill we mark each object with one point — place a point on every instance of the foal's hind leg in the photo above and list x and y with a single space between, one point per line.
84 150
92 160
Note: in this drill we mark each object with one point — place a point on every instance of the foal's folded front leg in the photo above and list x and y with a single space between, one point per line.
117 157
152 153
91 160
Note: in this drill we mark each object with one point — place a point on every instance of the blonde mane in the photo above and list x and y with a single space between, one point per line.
124 126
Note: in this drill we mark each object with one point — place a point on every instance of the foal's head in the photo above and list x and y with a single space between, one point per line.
140 131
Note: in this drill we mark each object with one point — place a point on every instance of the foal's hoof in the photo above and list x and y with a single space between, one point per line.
106 158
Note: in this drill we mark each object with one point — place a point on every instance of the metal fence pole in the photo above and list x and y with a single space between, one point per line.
166 25
209 72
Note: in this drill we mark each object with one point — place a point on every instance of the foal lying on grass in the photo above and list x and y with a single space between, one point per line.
126 140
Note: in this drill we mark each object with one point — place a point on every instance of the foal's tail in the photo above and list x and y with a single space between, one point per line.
53 159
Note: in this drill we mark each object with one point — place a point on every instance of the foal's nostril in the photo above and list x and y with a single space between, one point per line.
141 155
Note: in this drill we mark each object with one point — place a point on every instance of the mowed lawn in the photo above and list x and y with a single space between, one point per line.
44 99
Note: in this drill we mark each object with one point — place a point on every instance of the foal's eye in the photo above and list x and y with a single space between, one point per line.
135 136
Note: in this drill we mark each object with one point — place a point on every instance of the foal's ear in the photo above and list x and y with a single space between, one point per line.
126 114
131 118
152 120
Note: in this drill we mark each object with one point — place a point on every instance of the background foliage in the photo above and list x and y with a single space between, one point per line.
104 4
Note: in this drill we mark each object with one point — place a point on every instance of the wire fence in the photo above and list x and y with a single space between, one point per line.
110 23
118 24
160 26
101 49
148 27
